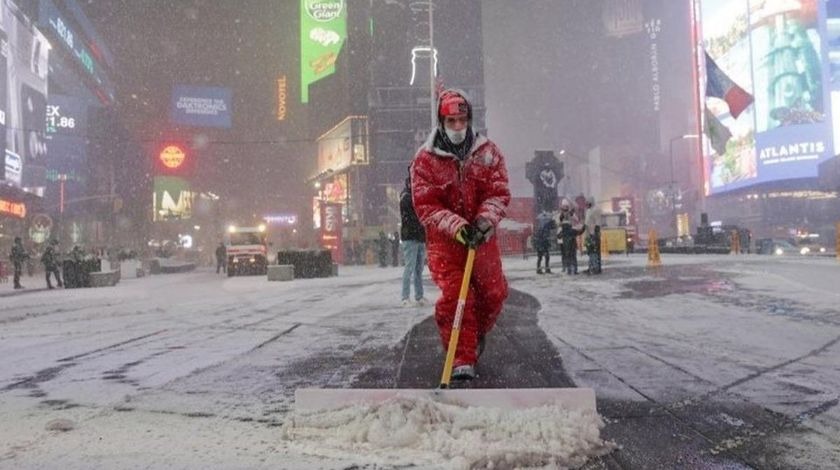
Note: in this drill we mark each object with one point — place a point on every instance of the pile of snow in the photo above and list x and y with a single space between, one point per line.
412 432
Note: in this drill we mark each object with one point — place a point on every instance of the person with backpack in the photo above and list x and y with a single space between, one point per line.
413 237
459 186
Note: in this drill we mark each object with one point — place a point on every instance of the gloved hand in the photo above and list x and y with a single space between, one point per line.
484 229
466 235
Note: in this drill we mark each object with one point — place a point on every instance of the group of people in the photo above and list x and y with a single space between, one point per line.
50 259
570 228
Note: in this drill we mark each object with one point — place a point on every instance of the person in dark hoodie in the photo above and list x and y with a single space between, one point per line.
459 185
413 237
545 228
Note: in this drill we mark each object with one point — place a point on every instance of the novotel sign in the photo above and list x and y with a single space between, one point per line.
286 220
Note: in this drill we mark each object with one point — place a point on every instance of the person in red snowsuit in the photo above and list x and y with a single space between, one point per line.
460 193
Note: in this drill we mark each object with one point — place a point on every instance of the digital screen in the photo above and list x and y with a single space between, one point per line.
323 28
201 106
68 37
66 131
776 52
173 199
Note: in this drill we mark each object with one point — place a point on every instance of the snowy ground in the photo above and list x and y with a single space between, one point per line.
196 370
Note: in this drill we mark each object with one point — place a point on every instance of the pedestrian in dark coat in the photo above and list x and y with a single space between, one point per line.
221 258
18 256
383 249
51 261
545 228
395 249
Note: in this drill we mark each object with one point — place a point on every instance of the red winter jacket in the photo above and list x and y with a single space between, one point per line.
449 194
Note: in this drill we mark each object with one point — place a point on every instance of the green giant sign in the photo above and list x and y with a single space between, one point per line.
323 28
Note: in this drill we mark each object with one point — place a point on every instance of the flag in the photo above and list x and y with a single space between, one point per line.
718 134
719 85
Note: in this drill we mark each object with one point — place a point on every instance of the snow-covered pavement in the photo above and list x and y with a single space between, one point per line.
197 370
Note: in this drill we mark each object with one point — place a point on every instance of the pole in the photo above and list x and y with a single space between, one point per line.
672 189
61 179
432 100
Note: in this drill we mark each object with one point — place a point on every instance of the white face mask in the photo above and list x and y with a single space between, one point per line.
456 137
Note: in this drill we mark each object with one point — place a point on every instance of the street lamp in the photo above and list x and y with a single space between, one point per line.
672 188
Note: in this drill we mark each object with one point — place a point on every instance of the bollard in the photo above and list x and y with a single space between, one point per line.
654 260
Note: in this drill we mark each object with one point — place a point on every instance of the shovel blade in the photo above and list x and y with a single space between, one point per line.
324 399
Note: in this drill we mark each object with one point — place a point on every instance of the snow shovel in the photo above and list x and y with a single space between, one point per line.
574 399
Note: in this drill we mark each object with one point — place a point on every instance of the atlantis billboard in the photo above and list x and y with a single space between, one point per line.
765 93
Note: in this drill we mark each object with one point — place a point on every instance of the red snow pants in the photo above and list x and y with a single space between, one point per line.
487 293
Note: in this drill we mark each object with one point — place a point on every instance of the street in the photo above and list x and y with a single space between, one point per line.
706 362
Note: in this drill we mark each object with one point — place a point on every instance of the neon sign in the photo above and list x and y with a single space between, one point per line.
16 209
172 156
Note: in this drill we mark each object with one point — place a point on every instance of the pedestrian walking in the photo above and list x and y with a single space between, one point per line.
413 237
459 185
543 234
51 261
18 256
593 236
395 249
221 258
382 248
569 231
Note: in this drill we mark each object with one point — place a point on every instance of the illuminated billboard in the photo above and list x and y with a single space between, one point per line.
323 29
24 69
173 199
201 106
764 100
344 145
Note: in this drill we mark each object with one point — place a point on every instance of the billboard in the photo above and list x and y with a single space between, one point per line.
323 29
82 49
24 55
173 199
201 106
344 145
763 91
66 132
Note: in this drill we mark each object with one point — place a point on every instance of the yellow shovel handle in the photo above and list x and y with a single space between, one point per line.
456 323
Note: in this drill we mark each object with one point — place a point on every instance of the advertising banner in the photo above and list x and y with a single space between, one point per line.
331 227
201 106
25 56
343 145
764 69
173 199
80 48
323 29
625 204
